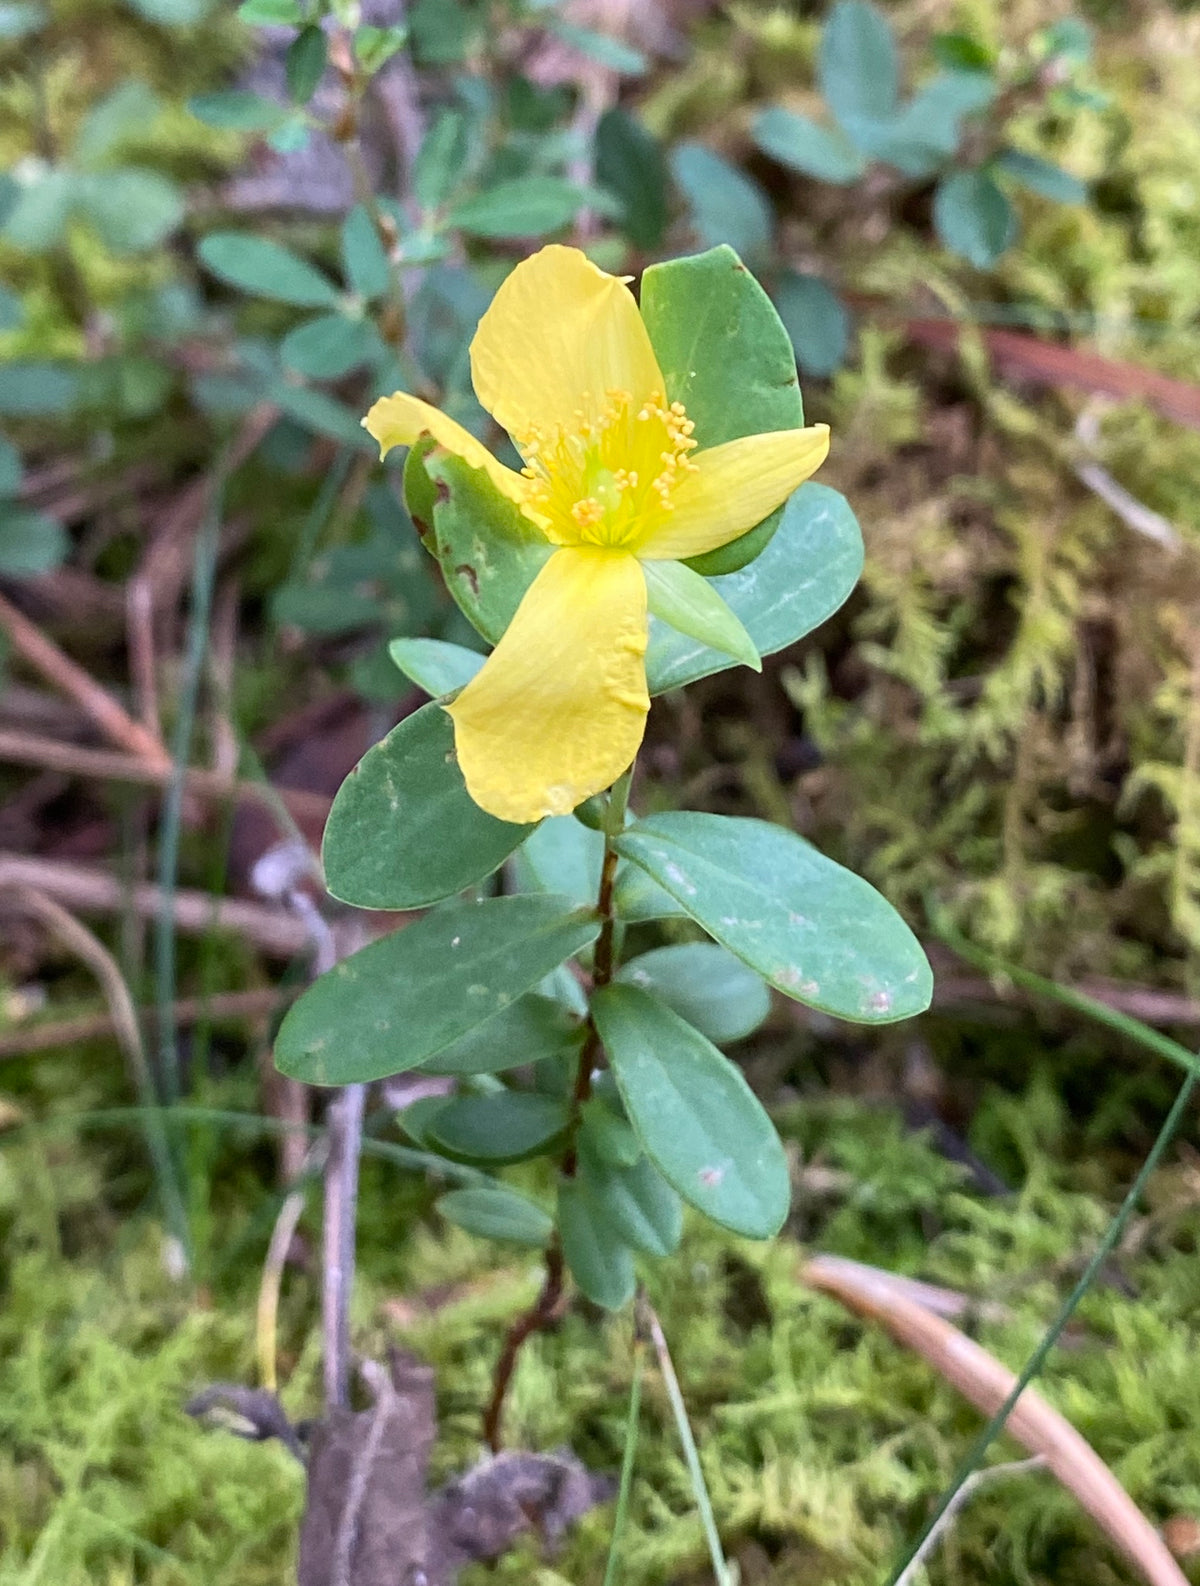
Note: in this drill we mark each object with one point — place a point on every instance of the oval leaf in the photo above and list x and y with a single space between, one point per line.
526 206
507 1126
801 144
599 1260
817 932
434 665
700 1123
496 1213
403 831
636 1200
329 347
973 217
710 988
402 1000
264 269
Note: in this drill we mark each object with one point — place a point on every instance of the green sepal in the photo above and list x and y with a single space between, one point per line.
690 604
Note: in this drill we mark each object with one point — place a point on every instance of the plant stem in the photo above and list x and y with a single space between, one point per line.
627 1462
544 1309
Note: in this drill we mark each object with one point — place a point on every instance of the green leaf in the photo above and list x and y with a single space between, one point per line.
132 210
305 62
506 1126
801 578
597 1257
10 468
973 217
1071 40
322 609
403 831
432 664
607 1136
562 856
30 541
630 164
264 269
364 257
443 31
816 319
237 110
18 21
691 605
726 356
375 46
526 206
30 389
818 933
698 1120
174 13
725 206
607 51
416 1118
928 131
961 52
497 1212
400 1001
801 144
319 412
126 112
442 159
271 13
710 988
857 64
530 1030
489 551
1042 177
40 209
292 134
634 1200
329 347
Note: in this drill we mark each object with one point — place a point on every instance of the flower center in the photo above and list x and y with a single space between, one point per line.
605 481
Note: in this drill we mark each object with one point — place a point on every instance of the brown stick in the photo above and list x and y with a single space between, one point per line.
222 1007
88 891
982 1379
539 1315
113 719
53 755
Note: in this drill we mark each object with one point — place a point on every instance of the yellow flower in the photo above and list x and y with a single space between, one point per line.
612 478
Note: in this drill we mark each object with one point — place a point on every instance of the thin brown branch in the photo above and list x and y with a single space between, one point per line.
52 754
89 891
41 653
221 1008
541 1314
982 1379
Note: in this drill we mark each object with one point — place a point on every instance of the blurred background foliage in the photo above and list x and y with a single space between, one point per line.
223 231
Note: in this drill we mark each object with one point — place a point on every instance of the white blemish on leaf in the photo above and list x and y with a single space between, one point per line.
711 1177
675 874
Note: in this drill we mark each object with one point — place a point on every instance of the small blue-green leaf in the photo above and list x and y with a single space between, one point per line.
634 1199
319 412
40 209
363 255
801 144
1042 177
700 1123
442 159
35 389
973 217
403 831
636 898
405 998
132 210
434 665
630 164
857 64
265 269
505 1126
375 46
271 13
237 110
497 1212
817 932
690 604
598 1258
329 347
607 51
816 319
126 112
525 206
30 541
710 988
305 62
562 856
725 205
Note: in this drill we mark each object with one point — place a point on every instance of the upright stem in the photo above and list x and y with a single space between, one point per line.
544 1309
341 1201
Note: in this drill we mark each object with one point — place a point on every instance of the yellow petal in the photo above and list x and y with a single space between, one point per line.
401 419
559 709
734 486
559 335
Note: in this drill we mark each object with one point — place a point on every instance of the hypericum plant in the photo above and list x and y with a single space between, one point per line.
673 432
